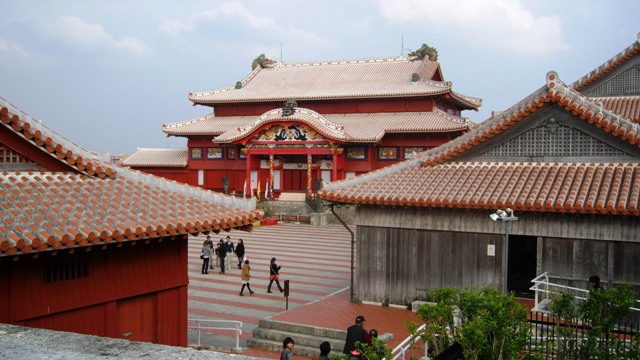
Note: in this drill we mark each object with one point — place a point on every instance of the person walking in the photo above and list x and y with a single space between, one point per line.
239 252
245 275
212 252
356 333
287 346
274 275
206 254
230 249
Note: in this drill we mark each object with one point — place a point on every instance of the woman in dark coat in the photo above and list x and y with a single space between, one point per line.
240 252
274 275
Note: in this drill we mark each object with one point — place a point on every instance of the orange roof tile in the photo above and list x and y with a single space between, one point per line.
627 107
594 188
158 158
430 179
370 78
51 210
52 143
608 66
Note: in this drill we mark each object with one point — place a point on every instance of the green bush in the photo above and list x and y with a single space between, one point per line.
489 325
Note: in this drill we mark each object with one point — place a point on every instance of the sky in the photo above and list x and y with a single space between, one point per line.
107 74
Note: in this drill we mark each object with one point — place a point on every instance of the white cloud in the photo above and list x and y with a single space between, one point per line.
498 24
93 36
7 46
237 11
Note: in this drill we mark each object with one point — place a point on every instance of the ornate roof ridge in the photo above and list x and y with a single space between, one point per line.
608 65
52 143
343 62
470 100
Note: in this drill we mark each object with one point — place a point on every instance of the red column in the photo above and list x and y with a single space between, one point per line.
334 170
247 176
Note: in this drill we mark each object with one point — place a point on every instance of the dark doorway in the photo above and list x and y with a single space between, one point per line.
522 265
295 180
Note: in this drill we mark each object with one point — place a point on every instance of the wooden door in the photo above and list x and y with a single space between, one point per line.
136 321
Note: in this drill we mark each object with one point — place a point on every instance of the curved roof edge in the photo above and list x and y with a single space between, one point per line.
609 65
50 142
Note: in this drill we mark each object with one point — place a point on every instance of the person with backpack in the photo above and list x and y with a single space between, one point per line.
205 254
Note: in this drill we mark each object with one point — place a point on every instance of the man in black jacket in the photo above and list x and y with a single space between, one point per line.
356 333
221 250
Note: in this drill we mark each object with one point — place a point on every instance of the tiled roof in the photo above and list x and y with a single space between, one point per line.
554 91
627 107
207 125
525 186
570 187
343 127
608 66
158 158
371 78
48 211
44 211
53 144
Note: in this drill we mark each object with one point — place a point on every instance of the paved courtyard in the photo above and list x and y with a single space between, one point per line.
315 260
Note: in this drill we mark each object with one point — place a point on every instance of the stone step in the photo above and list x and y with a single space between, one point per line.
288 196
301 340
269 335
273 345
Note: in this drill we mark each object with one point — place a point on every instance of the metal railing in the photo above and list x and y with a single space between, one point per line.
203 325
401 350
543 288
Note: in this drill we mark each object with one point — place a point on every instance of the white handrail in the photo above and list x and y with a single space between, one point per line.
541 284
235 326
399 351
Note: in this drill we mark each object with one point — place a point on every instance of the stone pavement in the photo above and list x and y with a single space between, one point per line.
316 260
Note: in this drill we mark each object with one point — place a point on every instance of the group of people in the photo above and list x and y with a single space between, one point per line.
224 248
221 250
357 336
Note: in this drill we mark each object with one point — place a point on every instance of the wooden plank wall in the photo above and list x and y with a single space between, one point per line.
401 251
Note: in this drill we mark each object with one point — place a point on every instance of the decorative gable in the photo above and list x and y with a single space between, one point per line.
11 160
291 132
553 134
624 82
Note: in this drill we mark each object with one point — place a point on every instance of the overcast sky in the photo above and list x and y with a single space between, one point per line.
107 74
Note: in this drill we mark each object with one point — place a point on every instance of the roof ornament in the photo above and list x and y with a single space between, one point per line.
238 85
289 107
261 61
424 51
415 77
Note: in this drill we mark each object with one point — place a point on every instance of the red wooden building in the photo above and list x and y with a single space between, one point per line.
297 122
93 248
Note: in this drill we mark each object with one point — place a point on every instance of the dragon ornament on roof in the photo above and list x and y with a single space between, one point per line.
424 51
261 61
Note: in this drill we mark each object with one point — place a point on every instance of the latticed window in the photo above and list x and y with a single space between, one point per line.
625 83
8 156
557 140
65 271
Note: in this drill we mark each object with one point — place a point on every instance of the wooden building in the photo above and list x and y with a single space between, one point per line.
93 248
294 123
569 167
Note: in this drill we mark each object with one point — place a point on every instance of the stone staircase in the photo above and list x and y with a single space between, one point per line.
269 335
